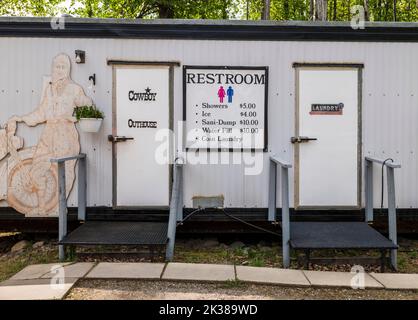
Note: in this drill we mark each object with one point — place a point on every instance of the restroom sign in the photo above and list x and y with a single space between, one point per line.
225 107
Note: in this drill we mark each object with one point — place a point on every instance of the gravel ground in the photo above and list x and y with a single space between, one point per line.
160 290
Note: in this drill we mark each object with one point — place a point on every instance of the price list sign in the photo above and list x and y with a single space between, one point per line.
225 107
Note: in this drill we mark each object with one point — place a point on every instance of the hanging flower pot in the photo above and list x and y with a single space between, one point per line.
89 118
90 125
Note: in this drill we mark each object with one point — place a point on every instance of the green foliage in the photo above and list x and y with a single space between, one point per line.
87 112
184 9
40 8
338 10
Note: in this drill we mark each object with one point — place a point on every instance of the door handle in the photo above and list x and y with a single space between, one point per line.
114 139
301 139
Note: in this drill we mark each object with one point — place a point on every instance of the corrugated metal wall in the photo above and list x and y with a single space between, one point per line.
390 102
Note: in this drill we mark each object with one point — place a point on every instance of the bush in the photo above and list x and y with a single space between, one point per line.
87 112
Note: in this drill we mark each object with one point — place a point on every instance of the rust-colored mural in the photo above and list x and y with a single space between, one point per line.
28 180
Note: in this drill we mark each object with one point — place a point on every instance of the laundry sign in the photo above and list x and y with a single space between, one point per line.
327 109
225 107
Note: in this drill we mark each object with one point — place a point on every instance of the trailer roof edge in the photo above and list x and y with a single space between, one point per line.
69 27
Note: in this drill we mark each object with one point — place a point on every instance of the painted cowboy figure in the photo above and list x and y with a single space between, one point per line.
32 183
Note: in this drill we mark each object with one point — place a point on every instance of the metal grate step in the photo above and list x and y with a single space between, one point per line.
337 235
118 233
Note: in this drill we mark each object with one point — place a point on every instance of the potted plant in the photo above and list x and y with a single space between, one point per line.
89 117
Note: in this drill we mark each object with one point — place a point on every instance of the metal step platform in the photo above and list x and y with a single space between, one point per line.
118 233
337 235
308 236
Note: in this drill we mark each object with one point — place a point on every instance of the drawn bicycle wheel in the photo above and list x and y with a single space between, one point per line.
25 196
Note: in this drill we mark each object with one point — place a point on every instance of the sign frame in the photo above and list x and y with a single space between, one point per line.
265 69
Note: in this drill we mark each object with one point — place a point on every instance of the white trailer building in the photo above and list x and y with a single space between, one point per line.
319 96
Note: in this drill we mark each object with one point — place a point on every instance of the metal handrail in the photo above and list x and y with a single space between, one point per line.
380 161
368 172
176 207
284 174
82 195
280 162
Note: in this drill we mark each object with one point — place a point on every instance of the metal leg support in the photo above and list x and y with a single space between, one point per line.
285 217
392 214
62 213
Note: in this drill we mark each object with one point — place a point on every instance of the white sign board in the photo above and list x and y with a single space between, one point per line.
142 109
225 107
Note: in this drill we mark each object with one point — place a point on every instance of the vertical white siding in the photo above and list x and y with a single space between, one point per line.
390 102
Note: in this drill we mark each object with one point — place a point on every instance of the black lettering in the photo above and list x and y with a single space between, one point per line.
229 78
200 78
259 78
239 78
190 78
248 79
226 78
210 78
219 75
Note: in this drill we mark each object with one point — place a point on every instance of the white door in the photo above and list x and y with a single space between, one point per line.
141 110
327 169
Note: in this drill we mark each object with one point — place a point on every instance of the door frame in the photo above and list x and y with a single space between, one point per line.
128 64
329 66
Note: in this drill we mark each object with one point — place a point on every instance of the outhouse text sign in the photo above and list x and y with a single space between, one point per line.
225 107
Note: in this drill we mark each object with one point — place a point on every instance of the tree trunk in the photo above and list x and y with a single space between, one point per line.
165 10
286 11
266 10
89 9
379 11
387 10
312 10
366 10
394 10
321 7
225 9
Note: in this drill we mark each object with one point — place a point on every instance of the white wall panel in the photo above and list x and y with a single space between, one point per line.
390 102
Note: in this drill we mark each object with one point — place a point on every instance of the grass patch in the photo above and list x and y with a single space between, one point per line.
210 255
233 284
271 256
10 264
252 256
190 252
408 261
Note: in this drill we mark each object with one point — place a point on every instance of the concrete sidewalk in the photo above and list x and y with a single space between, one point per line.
54 281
